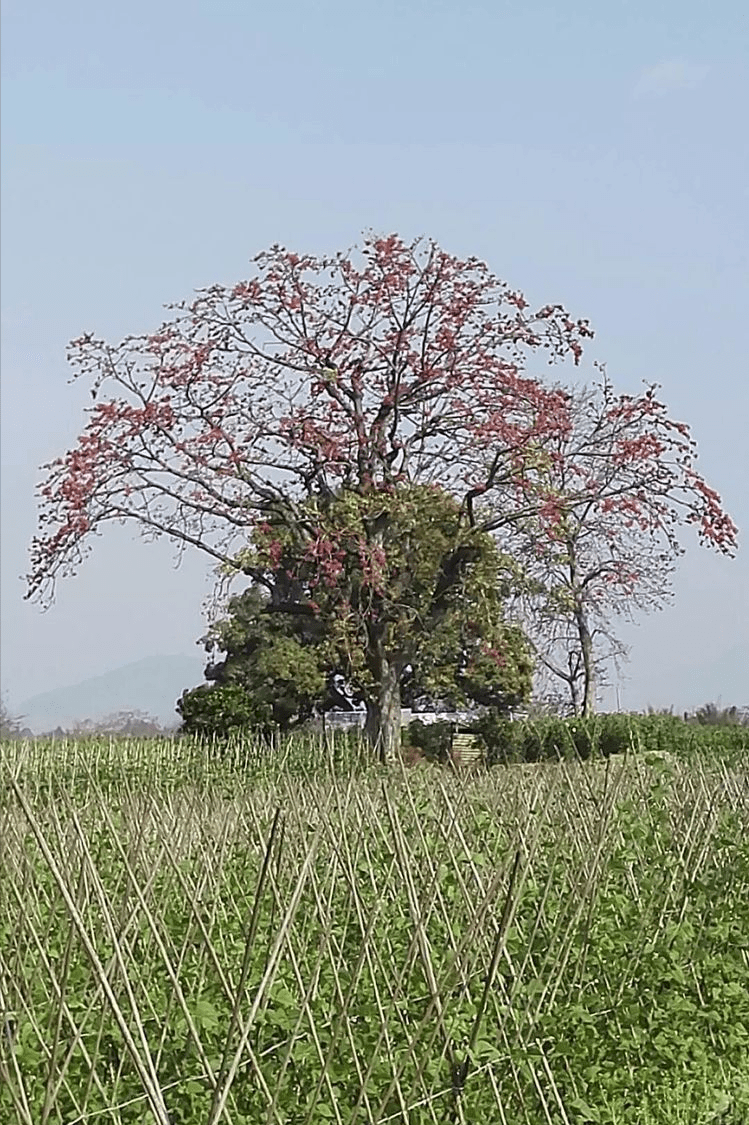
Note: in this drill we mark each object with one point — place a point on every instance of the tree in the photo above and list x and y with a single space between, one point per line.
714 715
221 709
620 486
295 665
402 365
10 725
401 582
121 724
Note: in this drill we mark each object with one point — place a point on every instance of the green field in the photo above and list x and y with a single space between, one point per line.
287 934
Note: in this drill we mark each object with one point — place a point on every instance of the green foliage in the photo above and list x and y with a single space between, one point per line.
403 571
297 642
433 739
550 738
271 676
222 710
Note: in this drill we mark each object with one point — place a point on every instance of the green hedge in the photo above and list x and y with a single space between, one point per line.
548 739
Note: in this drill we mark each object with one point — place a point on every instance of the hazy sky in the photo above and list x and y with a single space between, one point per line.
593 154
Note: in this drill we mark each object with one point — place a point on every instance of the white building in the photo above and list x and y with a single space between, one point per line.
346 719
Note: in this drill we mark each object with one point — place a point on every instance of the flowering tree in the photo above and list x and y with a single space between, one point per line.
11 725
618 486
400 364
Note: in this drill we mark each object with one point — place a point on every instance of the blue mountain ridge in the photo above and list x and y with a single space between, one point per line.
152 685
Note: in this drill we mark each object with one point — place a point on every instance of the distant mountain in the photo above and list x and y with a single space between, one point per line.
152 685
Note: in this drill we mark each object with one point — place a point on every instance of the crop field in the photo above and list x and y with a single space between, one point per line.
287 934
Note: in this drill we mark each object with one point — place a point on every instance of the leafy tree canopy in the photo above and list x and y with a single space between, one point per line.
294 639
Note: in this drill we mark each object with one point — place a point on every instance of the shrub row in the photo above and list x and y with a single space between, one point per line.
548 739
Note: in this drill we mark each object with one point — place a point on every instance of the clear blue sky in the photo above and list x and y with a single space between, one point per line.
593 154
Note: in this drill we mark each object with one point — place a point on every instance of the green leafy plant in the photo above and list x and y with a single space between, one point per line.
284 933
433 739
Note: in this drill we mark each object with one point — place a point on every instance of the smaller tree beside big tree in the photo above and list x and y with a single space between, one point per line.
265 671
620 485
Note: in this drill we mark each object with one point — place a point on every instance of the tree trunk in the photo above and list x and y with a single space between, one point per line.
383 723
589 671
574 694
584 635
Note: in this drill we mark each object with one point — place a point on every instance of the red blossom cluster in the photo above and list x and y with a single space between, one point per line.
329 558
